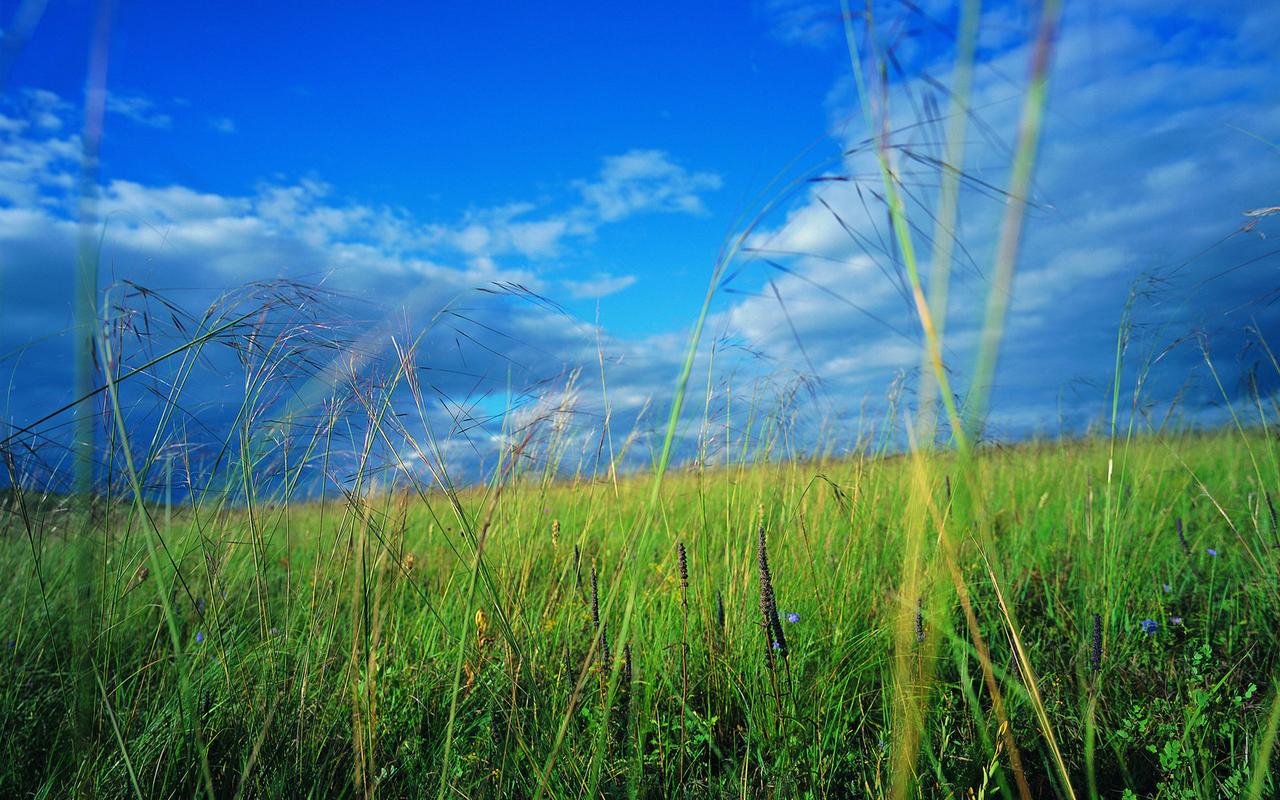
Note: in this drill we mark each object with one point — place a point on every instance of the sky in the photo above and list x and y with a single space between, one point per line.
538 191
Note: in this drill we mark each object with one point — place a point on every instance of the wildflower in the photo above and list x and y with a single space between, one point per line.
777 646
793 617
199 637
1211 552
1149 626
1095 653
919 620
1175 620
1167 588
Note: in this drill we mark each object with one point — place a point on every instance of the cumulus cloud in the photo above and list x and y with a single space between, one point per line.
492 335
1140 184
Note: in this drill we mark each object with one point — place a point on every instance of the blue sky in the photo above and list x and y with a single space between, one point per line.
601 155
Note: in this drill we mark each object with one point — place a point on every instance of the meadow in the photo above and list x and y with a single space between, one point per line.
1089 618
727 602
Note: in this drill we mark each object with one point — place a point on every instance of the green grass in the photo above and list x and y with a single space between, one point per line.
401 637
333 649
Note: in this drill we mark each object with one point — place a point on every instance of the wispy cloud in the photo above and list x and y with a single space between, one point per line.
223 124
602 284
802 22
139 110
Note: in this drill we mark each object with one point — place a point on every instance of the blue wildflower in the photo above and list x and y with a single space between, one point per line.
1175 620
1149 626
1211 551
793 617
777 646
199 637
1167 588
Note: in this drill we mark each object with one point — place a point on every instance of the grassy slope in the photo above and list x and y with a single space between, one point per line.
318 647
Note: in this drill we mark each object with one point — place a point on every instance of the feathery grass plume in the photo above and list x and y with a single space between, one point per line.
683 560
919 620
555 533
1095 652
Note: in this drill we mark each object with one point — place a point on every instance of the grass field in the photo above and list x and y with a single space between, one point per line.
1047 619
751 608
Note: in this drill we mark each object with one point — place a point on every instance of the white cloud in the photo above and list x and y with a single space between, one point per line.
641 181
223 124
634 183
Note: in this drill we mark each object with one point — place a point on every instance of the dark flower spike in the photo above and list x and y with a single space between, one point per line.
1275 521
569 676
683 560
920 620
1182 538
595 601
1095 652
768 602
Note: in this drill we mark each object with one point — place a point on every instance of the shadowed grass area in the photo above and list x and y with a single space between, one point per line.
319 644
